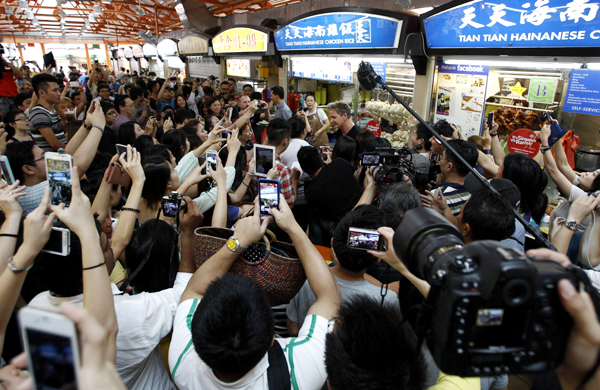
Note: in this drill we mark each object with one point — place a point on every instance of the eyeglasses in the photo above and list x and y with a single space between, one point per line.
24 119
38 159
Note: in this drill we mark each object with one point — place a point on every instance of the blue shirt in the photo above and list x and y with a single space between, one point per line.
283 111
162 104
115 86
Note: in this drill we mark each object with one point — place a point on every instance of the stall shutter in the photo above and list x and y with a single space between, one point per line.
202 67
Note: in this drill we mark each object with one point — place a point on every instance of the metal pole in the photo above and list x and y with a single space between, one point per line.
355 101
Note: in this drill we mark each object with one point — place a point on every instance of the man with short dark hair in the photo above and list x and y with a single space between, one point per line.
224 87
486 216
454 172
104 92
340 117
182 116
248 89
233 87
349 267
223 335
23 101
44 122
282 109
124 106
141 112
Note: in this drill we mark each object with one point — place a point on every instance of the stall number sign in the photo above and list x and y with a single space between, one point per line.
240 40
343 30
515 24
542 90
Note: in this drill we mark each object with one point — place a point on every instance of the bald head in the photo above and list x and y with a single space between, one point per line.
244 102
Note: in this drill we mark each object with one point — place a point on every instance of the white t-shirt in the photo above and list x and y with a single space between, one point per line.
305 355
290 155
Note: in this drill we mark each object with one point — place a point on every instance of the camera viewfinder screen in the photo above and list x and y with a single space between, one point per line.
370 159
264 160
53 363
5 174
59 181
170 209
211 160
500 327
269 197
363 240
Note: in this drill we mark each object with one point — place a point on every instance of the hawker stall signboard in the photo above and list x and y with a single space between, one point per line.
583 93
514 24
193 45
460 97
339 30
240 40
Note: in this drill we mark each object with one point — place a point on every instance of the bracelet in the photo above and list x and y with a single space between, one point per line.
487 151
494 134
8 235
130 209
545 149
16 270
244 183
94 266
99 128
88 127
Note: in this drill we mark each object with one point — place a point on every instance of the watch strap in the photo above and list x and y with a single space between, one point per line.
571 224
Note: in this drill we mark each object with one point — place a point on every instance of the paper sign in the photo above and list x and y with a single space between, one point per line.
523 141
542 90
374 127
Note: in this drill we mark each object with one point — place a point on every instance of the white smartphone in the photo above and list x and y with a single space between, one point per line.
58 171
365 239
59 242
7 174
264 157
211 161
74 84
230 113
52 347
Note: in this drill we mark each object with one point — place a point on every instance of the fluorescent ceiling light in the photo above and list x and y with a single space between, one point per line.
516 64
420 11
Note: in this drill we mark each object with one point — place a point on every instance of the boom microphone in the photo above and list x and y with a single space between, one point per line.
366 76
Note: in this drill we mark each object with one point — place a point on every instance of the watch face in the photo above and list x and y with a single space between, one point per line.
231 244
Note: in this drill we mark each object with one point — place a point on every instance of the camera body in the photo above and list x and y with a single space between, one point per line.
389 166
493 310
171 204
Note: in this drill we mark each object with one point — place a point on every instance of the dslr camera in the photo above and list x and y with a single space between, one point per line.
389 166
171 204
491 309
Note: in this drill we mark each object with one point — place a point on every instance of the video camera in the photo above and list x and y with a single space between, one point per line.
389 166
492 309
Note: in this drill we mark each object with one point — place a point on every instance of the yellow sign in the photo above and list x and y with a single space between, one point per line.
240 39
193 45
517 89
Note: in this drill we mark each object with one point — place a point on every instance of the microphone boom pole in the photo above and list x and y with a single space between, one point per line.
370 79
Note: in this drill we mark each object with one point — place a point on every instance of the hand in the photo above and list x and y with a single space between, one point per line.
215 135
13 378
189 219
196 175
327 160
273 173
487 139
3 135
38 226
584 340
250 229
284 217
144 114
545 134
8 200
168 125
545 253
67 87
295 174
95 115
252 167
389 256
582 207
150 126
233 142
219 175
436 202
133 165
368 182
78 216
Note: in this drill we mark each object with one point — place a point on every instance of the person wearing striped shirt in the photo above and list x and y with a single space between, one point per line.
44 122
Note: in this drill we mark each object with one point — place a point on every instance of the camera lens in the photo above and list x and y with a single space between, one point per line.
516 292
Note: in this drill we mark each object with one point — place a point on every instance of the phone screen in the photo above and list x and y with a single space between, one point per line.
490 120
268 195
74 84
122 149
52 359
6 172
211 161
59 181
364 239
264 160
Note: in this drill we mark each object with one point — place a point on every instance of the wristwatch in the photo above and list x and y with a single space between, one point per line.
233 244
571 224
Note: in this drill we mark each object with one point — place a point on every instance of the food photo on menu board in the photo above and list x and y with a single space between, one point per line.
240 68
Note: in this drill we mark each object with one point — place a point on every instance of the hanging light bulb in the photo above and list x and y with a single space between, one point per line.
92 18
23 4
96 9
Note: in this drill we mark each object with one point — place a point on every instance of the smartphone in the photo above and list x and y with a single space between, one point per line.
490 120
52 346
211 161
370 159
230 113
58 171
268 195
7 174
264 156
121 149
74 84
59 242
365 239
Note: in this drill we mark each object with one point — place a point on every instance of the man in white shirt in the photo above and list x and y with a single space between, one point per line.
223 331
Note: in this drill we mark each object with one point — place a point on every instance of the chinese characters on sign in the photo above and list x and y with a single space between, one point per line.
193 44
240 39
516 23
339 30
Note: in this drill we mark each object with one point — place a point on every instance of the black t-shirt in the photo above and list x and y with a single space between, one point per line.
108 141
352 133
335 191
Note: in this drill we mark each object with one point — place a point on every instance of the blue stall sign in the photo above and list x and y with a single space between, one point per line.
583 93
515 24
340 30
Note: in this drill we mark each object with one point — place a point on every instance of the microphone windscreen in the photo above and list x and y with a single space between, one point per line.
366 76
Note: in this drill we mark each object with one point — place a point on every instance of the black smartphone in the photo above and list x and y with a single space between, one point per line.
490 120
365 239
268 195
121 149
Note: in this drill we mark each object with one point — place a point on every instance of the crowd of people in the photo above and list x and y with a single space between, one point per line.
152 317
